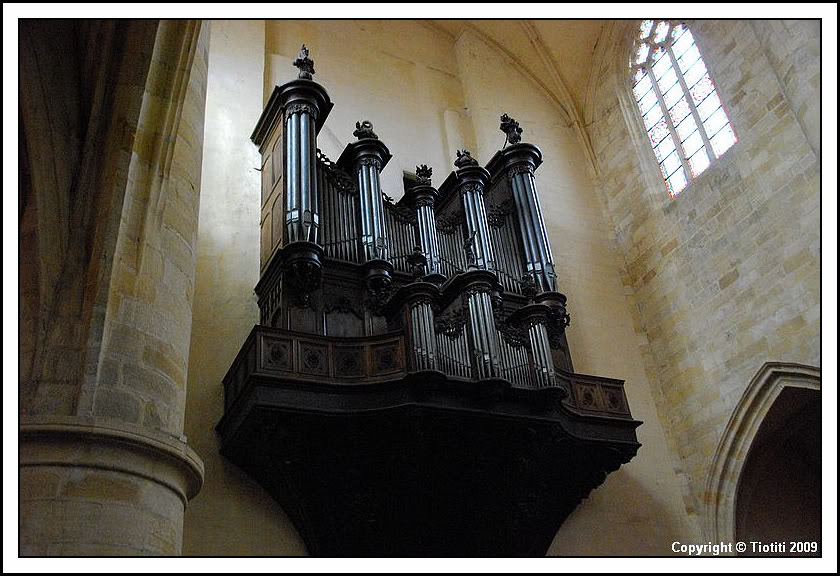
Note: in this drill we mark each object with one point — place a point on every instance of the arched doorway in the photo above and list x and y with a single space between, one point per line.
778 495
765 479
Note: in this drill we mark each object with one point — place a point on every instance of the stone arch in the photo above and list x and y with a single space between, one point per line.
611 74
738 436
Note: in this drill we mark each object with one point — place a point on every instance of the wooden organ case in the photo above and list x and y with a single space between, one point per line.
409 389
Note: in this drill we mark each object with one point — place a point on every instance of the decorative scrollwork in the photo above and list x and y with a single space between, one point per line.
587 396
521 169
556 323
336 176
450 223
472 188
301 107
475 289
304 64
417 263
402 214
364 129
513 133
370 161
515 337
464 159
378 294
528 286
613 398
451 324
343 305
497 214
424 174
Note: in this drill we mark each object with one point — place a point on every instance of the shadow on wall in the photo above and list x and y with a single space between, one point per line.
623 517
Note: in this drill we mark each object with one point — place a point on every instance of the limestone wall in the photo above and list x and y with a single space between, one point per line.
400 75
143 365
725 276
232 515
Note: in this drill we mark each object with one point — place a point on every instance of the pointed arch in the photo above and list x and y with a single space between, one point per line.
731 454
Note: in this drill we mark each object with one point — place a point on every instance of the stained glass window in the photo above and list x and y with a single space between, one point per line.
680 107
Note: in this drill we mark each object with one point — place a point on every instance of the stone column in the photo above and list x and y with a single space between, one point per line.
113 476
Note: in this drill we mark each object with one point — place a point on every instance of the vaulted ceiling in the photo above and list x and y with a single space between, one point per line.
568 44
558 56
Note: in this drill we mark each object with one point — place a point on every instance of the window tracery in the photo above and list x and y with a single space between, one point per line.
680 107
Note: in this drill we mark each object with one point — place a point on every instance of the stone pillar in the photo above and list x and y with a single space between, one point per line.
114 476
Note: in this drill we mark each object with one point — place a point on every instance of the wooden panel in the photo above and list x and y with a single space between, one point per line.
265 239
277 213
273 208
350 361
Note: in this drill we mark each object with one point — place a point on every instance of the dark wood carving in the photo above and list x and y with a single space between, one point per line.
409 389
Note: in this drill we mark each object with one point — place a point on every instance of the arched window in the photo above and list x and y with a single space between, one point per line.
679 104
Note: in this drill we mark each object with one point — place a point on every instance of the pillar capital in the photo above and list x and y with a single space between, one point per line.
299 95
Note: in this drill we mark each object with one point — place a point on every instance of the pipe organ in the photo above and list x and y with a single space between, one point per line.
380 317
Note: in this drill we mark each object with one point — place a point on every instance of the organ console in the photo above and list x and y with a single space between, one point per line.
410 377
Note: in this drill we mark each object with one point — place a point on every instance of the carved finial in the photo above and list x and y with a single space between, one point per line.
511 129
464 159
364 129
417 263
424 174
304 64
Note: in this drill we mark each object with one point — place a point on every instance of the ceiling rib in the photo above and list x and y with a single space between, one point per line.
575 115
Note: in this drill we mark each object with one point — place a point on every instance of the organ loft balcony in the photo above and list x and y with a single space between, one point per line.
409 389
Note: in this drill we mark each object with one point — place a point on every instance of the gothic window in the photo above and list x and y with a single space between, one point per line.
680 107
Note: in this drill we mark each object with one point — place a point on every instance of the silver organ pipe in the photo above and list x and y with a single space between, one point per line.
539 258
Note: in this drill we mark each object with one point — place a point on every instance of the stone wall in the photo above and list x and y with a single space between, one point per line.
726 276
143 365
232 515
401 75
